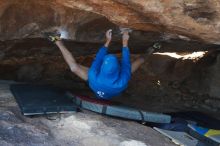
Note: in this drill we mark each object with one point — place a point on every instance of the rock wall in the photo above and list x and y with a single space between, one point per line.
198 19
22 19
164 83
185 19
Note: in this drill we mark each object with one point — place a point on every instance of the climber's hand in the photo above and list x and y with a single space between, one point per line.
108 35
125 38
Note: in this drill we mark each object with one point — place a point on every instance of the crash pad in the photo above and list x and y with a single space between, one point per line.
119 110
201 119
41 99
181 138
210 135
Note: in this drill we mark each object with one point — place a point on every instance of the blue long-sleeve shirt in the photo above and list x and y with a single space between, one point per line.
105 88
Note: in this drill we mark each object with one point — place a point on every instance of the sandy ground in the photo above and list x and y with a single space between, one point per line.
76 129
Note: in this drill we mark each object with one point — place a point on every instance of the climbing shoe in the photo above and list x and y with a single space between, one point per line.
157 46
150 50
53 36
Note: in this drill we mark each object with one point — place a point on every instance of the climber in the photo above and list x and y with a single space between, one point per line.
107 77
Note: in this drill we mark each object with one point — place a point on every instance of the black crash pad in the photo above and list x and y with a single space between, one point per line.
42 99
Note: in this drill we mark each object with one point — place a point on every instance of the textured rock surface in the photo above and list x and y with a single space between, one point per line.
185 19
193 18
164 83
79 129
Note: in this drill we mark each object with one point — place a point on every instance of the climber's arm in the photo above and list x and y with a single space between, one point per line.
101 53
78 69
125 64
125 61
